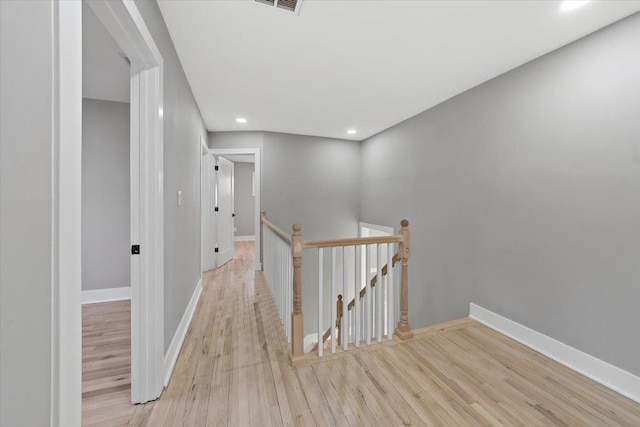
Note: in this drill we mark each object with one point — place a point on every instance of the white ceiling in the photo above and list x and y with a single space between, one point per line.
105 74
362 64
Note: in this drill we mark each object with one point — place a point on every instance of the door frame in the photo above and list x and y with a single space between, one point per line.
123 21
258 186
219 160
206 231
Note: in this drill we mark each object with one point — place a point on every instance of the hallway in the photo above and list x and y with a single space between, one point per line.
234 370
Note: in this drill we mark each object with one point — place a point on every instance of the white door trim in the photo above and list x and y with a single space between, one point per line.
125 24
258 183
382 228
123 20
66 275
204 151
207 178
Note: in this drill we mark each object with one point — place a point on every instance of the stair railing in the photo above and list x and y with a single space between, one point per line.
361 296
379 302
277 266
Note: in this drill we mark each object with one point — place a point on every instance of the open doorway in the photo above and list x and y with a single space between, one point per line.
207 215
122 206
224 209
106 219
244 195
218 214
241 221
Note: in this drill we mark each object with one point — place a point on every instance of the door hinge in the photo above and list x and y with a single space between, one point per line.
135 249
216 167
215 250
215 209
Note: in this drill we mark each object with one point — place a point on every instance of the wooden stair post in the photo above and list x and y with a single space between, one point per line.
297 326
263 215
403 330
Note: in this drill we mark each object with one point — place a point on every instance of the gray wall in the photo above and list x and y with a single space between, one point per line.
310 180
183 127
106 256
244 200
26 69
25 212
524 197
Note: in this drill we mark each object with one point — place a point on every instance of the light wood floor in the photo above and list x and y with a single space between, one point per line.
106 361
234 370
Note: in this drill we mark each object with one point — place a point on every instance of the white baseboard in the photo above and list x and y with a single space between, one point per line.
178 338
105 295
600 371
244 238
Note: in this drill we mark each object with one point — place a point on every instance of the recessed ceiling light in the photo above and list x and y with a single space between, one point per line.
241 120
569 5
351 131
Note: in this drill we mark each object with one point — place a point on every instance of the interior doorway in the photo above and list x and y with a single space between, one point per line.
207 213
124 31
237 153
225 215
107 202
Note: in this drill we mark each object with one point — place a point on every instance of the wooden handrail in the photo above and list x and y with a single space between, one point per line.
374 280
281 234
351 304
351 242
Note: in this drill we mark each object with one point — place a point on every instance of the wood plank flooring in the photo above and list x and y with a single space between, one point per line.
234 370
106 361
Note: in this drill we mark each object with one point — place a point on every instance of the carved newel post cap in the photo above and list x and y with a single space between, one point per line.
404 223
297 227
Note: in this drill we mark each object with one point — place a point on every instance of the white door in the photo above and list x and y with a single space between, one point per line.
208 213
225 215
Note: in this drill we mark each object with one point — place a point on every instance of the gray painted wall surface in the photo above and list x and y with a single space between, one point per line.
524 197
106 239
244 201
310 180
25 212
183 127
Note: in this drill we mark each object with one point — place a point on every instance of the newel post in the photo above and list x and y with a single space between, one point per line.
297 327
403 330
263 215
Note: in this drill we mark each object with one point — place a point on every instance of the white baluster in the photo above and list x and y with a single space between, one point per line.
397 281
290 281
379 298
288 264
390 291
368 299
334 298
344 326
356 295
320 297
280 280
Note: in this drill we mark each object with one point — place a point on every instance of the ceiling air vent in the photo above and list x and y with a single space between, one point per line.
292 6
